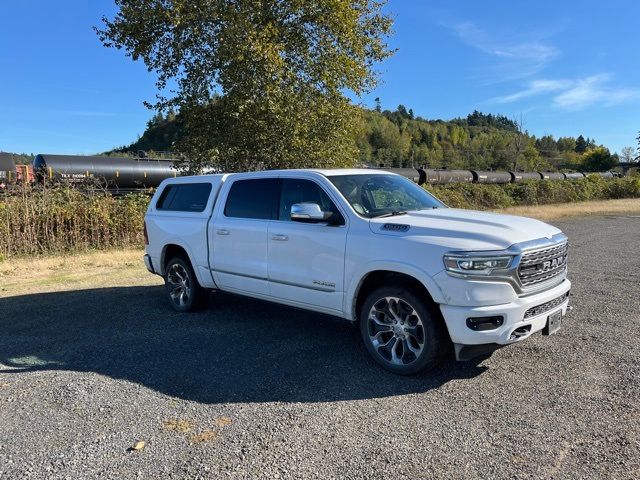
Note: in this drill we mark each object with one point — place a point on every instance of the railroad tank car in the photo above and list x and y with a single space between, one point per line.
491 177
574 175
552 175
114 172
410 173
7 169
604 174
441 177
522 176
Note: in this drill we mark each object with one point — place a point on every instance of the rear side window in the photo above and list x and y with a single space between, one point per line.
185 197
251 199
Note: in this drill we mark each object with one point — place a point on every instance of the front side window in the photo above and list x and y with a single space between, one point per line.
185 197
251 198
304 191
376 195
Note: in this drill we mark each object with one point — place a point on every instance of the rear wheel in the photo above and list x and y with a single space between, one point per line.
401 331
184 292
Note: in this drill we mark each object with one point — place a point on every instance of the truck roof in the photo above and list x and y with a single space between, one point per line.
326 172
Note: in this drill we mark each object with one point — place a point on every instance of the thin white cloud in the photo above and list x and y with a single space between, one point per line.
576 94
593 90
513 59
535 87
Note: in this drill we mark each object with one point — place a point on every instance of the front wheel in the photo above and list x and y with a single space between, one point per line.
184 292
401 331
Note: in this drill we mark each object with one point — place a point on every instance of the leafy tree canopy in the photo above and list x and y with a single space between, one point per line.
259 83
599 159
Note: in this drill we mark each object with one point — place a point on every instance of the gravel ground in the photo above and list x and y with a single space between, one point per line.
252 390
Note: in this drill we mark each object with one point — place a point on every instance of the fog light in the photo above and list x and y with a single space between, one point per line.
485 323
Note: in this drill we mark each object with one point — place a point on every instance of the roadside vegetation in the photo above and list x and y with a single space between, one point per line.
490 197
63 219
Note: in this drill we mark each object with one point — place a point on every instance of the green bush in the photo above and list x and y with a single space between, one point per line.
535 192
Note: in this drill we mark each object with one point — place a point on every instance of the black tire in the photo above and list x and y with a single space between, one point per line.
183 290
409 331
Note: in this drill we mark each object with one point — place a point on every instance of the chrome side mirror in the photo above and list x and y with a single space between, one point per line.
308 212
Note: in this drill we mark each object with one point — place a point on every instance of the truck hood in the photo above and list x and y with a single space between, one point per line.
458 229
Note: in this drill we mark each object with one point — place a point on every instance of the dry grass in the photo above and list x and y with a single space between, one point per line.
181 426
206 436
596 207
24 275
64 219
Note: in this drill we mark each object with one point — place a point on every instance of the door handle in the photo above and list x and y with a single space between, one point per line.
222 231
279 237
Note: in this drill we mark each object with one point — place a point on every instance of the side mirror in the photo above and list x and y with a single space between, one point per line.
309 212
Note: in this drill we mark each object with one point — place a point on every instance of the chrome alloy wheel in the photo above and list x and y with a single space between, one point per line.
396 331
179 285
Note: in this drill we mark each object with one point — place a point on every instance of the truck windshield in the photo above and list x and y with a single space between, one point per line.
379 195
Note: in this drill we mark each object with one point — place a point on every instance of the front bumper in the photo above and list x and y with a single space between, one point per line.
514 318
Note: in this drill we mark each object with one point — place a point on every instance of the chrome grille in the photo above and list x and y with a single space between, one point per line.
545 307
539 266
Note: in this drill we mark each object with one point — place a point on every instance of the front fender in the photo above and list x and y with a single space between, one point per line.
357 278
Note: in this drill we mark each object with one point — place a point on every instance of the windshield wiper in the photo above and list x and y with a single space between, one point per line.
390 214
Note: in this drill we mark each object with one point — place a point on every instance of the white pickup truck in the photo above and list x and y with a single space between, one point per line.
366 245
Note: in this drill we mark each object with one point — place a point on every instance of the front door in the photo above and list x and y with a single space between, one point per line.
306 260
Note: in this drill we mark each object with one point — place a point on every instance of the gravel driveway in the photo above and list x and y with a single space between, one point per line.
248 389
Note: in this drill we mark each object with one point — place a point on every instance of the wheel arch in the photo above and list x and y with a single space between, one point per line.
171 250
387 274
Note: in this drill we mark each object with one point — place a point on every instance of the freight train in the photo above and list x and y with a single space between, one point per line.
444 176
129 174
112 173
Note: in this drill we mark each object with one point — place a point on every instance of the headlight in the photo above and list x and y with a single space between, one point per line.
476 265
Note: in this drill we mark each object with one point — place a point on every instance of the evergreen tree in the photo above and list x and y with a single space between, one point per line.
581 145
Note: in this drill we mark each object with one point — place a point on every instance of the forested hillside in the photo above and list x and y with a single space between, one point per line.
399 139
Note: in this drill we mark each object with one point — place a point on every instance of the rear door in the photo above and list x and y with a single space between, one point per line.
306 260
238 234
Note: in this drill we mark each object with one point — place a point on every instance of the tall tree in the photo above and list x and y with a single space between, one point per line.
627 155
581 144
599 159
280 69
518 140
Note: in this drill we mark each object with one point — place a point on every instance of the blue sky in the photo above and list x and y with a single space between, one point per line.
568 68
